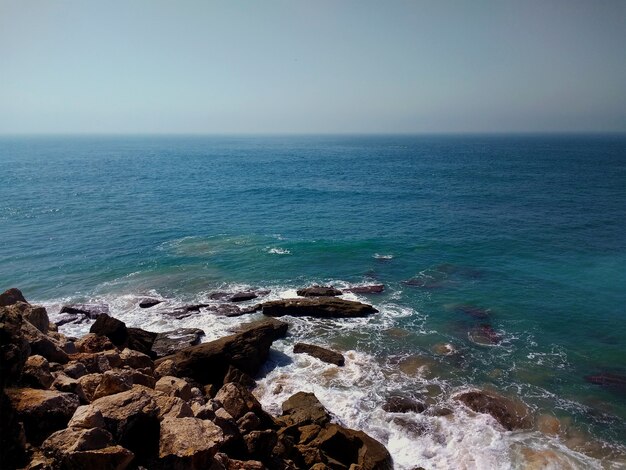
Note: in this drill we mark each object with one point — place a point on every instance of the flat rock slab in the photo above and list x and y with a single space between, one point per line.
321 307
173 341
320 353
90 310
370 289
318 291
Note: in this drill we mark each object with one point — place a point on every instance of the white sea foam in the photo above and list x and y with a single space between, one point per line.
382 257
277 251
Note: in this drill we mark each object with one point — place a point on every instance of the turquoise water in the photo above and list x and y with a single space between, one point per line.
531 229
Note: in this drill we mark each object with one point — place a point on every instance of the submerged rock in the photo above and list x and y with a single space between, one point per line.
318 291
320 353
92 311
485 335
322 307
511 414
608 380
246 350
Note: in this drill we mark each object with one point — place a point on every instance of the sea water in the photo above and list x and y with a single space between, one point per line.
525 234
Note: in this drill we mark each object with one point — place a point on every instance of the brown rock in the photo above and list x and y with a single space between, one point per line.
135 359
174 387
75 369
165 368
86 417
93 310
403 404
304 408
108 458
323 354
38 317
93 343
64 383
42 411
259 444
112 382
88 384
511 414
248 422
247 350
42 344
237 401
235 375
188 443
66 441
11 296
37 372
318 291
173 407
321 307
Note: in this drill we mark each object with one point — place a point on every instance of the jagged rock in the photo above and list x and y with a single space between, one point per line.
39 461
403 404
64 383
37 372
38 317
235 375
320 353
93 343
66 344
139 378
318 291
11 296
148 302
259 444
43 345
135 359
321 307
372 289
170 342
223 462
42 411
237 401
188 443
165 368
86 417
112 328
14 346
304 408
247 350
248 422
65 318
173 407
174 387
511 414
75 369
98 362
141 340
111 382
132 418
92 311
89 383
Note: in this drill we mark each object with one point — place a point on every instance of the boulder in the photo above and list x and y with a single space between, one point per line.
135 359
14 346
167 367
93 310
86 417
170 342
38 317
223 462
88 384
247 350
260 444
323 354
12 438
75 369
403 404
511 414
235 375
111 382
43 344
98 362
64 383
112 328
321 307
148 302
141 340
66 441
370 289
93 343
248 422
132 418
188 443
65 318
42 411
318 291
304 408
11 296
174 387
173 407
227 310
473 311
237 401
610 381
37 372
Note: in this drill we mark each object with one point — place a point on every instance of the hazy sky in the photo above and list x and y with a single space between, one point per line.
199 66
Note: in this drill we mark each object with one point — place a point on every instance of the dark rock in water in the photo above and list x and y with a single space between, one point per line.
473 311
149 302
322 307
112 328
608 380
373 289
247 350
403 404
65 318
11 296
141 340
242 296
90 310
512 414
424 283
318 291
485 335
227 310
173 341
322 354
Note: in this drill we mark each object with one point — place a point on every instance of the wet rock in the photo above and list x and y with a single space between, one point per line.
226 310
37 372
188 443
425 282
403 404
242 296
93 343
112 328
174 387
485 335
65 318
370 289
42 411
321 307
323 354
247 350
11 296
549 424
93 310
148 302
304 408
170 342
444 349
141 340
86 417
237 401
511 414
318 291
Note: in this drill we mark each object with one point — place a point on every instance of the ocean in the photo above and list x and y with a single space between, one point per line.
521 238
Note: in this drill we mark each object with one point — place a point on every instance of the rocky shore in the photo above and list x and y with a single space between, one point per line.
123 397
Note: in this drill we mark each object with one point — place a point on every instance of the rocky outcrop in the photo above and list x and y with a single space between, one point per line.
246 350
170 342
321 307
92 311
369 289
320 353
318 291
11 296
112 328
511 414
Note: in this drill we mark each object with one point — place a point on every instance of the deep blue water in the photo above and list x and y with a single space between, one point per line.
532 228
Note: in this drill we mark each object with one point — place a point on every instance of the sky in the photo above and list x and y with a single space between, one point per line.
323 66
